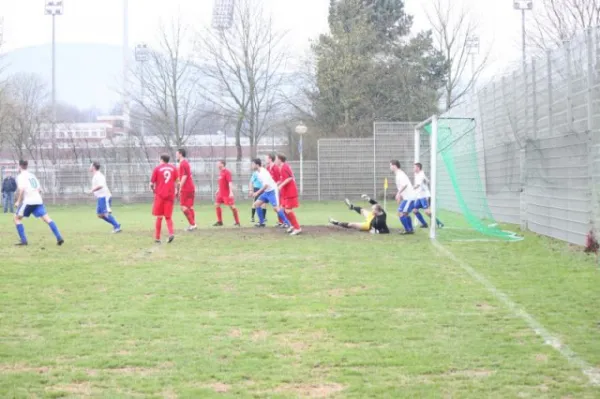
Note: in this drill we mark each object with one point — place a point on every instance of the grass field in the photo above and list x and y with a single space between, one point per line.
245 313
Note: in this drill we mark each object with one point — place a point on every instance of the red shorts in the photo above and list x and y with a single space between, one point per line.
163 207
229 201
186 198
289 203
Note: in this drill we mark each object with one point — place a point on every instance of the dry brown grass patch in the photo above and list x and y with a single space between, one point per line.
310 390
79 389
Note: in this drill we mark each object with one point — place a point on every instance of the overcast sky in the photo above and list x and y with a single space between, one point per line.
100 21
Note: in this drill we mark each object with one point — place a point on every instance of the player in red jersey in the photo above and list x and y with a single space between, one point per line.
187 190
275 172
163 186
288 194
225 194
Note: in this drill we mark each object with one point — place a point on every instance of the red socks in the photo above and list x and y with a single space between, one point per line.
292 218
219 215
170 226
236 216
157 227
190 215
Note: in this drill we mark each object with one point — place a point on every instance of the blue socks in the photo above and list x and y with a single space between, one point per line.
111 219
407 223
421 219
261 215
21 231
23 237
55 231
262 211
283 217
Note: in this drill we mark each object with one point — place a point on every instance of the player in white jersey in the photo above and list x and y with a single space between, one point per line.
267 194
29 202
405 196
423 195
103 197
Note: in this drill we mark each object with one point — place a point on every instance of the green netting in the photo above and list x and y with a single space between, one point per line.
462 203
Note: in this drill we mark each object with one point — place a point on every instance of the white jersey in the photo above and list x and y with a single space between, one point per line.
423 190
30 185
402 180
267 180
100 181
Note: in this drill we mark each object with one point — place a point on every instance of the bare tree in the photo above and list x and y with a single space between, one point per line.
170 104
452 27
25 112
242 69
558 21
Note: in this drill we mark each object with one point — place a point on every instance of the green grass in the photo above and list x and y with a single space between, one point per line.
244 313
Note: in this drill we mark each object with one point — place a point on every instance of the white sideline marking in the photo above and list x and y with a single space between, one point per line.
592 373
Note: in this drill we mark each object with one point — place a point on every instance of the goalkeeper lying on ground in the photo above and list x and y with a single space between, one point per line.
375 219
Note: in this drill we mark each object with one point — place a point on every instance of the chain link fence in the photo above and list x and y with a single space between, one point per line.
537 141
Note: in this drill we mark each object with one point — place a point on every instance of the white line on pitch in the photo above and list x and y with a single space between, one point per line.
592 373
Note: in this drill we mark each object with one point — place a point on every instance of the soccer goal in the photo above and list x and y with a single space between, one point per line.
449 152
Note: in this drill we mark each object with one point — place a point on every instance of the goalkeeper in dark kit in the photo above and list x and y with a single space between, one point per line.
375 218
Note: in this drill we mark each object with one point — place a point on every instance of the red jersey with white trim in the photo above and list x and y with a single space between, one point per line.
275 172
289 190
185 170
164 177
224 180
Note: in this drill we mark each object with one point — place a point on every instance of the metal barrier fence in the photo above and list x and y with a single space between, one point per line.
537 141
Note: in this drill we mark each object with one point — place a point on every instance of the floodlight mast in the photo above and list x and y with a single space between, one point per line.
222 20
54 8
523 5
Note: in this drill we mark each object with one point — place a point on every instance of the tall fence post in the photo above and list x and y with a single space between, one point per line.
550 94
374 160
319 170
592 140
523 159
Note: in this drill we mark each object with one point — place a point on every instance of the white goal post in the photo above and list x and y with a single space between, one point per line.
432 167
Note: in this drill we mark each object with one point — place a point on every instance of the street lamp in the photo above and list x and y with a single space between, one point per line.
54 8
142 54
523 5
301 130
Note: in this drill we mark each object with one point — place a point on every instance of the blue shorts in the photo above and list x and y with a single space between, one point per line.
36 210
103 205
406 206
421 203
269 197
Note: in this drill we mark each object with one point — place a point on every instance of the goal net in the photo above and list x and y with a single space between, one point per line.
448 150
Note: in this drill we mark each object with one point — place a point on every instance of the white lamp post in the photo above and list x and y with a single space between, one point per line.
142 55
523 5
54 8
301 130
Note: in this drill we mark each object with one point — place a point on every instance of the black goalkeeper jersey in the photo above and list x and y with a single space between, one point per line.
379 222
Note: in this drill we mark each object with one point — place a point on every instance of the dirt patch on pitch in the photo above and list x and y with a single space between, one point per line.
80 389
250 231
219 387
22 368
310 391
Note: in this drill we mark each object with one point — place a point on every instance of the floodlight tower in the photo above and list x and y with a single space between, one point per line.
126 58
54 8
222 20
523 5
141 56
472 44
1 30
